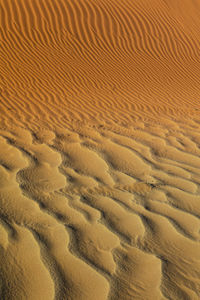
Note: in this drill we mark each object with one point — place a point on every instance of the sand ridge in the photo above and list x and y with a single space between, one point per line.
100 230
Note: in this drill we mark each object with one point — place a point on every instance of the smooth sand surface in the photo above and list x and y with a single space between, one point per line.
99 150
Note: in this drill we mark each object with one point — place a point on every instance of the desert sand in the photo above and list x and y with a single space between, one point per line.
99 150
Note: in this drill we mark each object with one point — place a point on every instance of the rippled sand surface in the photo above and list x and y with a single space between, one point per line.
99 150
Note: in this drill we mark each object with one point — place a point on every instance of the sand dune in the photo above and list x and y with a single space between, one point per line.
96 61
99 150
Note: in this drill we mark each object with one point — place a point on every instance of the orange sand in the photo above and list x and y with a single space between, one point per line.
99 150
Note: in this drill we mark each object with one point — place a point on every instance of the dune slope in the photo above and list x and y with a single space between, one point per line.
99 150
114 61
79 222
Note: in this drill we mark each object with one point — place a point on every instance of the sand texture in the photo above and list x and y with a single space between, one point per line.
89 60
99 150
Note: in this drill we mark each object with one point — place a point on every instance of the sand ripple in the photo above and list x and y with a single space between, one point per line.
79 222
97 61
99 150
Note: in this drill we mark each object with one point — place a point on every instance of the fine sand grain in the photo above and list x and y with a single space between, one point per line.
99 150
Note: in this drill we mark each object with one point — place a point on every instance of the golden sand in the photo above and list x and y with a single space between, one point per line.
99 150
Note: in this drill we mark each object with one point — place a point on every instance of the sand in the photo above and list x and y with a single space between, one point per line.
99 150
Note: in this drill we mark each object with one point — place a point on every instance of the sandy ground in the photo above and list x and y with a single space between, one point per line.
99 150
